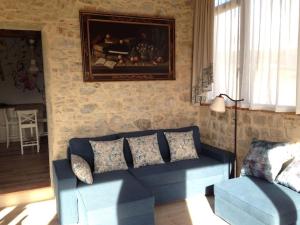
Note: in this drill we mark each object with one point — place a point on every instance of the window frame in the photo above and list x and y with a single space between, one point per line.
229 5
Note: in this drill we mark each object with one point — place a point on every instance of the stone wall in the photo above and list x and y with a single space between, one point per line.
81 109
217 129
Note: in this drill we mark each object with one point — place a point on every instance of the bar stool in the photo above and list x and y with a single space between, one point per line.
11 122
28 120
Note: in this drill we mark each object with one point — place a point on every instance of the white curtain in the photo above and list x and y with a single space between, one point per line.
226 48
267 72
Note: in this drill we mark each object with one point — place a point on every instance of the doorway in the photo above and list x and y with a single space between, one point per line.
22 92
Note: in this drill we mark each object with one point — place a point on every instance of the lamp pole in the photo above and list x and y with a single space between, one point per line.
235 129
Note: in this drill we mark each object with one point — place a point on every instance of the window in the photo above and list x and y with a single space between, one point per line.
221 2
255 52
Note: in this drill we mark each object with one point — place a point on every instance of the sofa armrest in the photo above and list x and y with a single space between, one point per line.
65 184
220 155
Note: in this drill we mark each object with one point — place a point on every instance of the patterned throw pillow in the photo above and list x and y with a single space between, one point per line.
81 169
294 150
265 159
108 155
290 176
181 145
145 150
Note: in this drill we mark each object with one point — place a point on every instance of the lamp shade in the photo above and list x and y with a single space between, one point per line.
218 105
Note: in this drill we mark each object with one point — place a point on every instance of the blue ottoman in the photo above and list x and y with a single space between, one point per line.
115 198
254 201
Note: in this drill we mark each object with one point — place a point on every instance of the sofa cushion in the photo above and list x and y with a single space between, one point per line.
127 152
81 169
113 197
145 150
265 159
108 155
181 145
290 176
82 147
266 202
180 171
162 141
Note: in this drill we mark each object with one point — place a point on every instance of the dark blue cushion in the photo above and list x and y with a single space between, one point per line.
82 147
180 171
162 141
266 202
113 197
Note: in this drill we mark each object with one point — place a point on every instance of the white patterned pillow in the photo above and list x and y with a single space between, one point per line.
81 169
290 176
108 155
265 159
145 150
181 145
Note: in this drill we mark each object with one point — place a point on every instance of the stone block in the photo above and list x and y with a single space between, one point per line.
88 108
143 124
259 119
293 134
251 132
277 133
245 118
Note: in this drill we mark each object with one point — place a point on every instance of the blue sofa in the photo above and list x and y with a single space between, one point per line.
256 201
128 197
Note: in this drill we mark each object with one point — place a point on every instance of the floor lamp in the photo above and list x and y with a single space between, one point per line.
218 105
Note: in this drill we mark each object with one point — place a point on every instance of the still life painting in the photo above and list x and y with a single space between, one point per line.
121 48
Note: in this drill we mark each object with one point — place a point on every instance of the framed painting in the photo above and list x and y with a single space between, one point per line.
123 48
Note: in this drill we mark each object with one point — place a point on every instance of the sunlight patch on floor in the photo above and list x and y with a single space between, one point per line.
201 211
41 213
194 211
27 196
4 212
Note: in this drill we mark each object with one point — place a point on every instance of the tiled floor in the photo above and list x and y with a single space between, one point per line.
195 211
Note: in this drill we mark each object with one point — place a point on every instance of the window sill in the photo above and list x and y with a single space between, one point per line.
254 110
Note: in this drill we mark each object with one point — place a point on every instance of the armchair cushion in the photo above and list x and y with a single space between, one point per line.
265 159
290 176
256 200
